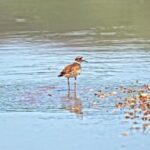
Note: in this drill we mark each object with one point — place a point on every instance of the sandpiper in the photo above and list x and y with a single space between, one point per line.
72 70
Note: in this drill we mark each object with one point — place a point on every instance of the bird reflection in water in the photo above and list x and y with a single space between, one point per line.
72 102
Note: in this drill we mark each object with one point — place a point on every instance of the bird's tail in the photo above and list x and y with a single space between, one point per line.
61 74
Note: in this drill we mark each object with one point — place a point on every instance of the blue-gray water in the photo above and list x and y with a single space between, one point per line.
30 66
37 40
29 84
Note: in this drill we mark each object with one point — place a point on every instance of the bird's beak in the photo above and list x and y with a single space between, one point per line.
85 60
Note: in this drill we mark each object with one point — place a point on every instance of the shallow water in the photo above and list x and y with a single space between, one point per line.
34 47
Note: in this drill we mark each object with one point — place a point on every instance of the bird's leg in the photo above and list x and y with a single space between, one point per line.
68 93
75 84
68 85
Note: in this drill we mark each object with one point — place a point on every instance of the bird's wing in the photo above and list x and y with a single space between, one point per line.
70 69
65 71
75 67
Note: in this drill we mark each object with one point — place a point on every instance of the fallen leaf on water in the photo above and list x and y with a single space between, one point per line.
49 95
135 102
145 126
144 96
147 112
120 105
102 94
125 133
113 93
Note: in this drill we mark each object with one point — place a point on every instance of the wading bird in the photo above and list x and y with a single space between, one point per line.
72 70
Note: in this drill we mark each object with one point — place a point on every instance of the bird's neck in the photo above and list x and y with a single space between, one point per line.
77 62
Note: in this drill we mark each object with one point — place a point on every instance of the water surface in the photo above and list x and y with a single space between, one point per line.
37 39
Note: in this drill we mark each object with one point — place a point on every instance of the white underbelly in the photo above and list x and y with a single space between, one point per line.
73 74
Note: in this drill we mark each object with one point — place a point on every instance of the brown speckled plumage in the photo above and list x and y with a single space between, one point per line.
71 71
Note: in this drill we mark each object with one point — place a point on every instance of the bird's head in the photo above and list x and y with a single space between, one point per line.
80 59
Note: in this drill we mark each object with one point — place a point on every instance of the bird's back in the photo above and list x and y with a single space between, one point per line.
71 70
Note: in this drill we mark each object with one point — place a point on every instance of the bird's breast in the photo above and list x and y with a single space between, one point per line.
78 72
